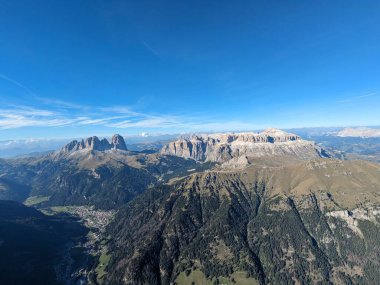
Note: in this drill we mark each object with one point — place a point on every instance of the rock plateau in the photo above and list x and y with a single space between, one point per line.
226 146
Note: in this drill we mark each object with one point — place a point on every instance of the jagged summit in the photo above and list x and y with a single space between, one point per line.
118 142
222 147
94 143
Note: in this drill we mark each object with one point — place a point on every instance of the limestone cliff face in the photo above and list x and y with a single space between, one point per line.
223 147
94 143
118 142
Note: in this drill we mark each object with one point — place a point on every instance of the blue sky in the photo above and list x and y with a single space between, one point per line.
78 68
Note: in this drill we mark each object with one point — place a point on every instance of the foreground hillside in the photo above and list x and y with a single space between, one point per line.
311 223
32 245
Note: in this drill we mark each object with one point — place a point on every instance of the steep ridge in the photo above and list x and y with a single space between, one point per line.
266 225
224 147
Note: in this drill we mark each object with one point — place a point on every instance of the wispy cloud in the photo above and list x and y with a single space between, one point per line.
13 121
25 111
101 121
16 83
121 117
149 48
59 103
13 117
45 112
149 122
368 95
358 97
124 110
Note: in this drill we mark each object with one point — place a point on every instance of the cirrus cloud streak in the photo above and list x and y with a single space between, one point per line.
119 117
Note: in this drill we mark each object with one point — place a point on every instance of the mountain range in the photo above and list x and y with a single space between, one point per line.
359 132
40 146
230 208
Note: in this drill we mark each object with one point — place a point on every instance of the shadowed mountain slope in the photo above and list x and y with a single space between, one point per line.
32 244
278 225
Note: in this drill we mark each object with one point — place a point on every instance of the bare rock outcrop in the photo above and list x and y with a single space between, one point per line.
118 142
225 146
94 143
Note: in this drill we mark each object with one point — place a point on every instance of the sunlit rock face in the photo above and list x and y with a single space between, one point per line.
94 143
118 142
223 147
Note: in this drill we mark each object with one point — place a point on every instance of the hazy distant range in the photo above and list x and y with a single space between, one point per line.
32 147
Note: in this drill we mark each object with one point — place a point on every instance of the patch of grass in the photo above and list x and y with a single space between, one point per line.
55 210
241 278
197 277
34 200
60 209
104 259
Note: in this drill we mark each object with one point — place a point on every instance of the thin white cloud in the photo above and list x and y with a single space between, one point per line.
16 83
59 103
56 113
149 122
119 110
13 121
101 121
367 95
53 113
26 111
355 98
122 117
149 48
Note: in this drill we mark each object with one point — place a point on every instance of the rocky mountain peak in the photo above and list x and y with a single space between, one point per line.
273 132
118 142
94 143
276 135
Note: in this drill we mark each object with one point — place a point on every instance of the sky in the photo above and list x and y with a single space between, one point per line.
78 68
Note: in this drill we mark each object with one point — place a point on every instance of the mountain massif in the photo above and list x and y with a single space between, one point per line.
94 143
223 147
231 208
